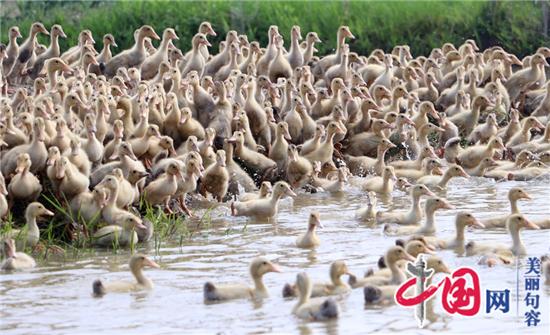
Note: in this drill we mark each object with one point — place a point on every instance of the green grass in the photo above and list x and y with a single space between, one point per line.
423 25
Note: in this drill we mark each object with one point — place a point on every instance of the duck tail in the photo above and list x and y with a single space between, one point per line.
372 294
210 292
352 279
288 291
98 289
381 263
329 309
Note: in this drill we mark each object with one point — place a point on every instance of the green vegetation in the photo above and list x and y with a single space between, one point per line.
517 26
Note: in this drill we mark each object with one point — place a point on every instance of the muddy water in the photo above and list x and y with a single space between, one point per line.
55 297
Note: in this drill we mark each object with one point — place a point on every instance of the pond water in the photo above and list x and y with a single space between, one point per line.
56 296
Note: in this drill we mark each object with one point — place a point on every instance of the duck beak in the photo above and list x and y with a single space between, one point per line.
526 196
464 174
155 36
208 44
275 268
408 257
141 226
446 269
477 223
430 194
211 32
48 213
151 263
438 171
447 205
290 193
530 224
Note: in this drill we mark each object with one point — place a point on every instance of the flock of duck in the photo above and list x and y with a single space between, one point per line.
249 126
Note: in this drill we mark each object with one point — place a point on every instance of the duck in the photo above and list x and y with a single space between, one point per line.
392 256
335 287
196 60
53 51
238 175
514 223
266 208
361 165
216 178
295 56
264 192
193 171
383 184
163 188
87 206
318 309
36 150
250 158
413 215
118 236
525 134
368 212
13 260
133 56
150 65
72 182
522 79
385 294
26 53
298 170
471 156
463 219
309 239
428 228
466 121
24 185
514 195
142 283
429 166
111 213
258 268
325 150
440 182
29 234
12 49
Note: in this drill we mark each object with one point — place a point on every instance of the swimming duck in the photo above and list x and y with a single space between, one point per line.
321 289
267 207
428 228
309 239
440 182
383 184
368 212
429 166
471 156
29 234
313 309
514 223
463 220
122 235
137 263
258 268
514 194
393 255
14 260
413 215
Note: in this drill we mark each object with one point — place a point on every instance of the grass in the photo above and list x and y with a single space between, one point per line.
517 26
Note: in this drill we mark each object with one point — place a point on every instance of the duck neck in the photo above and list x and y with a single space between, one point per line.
140 277
460 233
514 206
415 205
430 218
54 45
445 179
259 284
12 45
32 227
517 244
52 78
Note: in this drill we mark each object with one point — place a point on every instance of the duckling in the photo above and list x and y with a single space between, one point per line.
238 175
36 149
216 178
29 235
111 213
514 223
471 156
426 152
163 188
24 185
413 215
122 235
299 170
137 263
250 158
335 287
258 268
429 165
482 133
463 219
313 309
392 256
324 152
265 190
78 157
279 149
383 184
313 143
14 260
131 57
514 194
481 169
525 134
193 171
88 205
368 213
531 171
385 294
72 182
440 182
267 207
309 239
431 206
361 165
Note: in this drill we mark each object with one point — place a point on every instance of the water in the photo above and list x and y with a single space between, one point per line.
56 297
